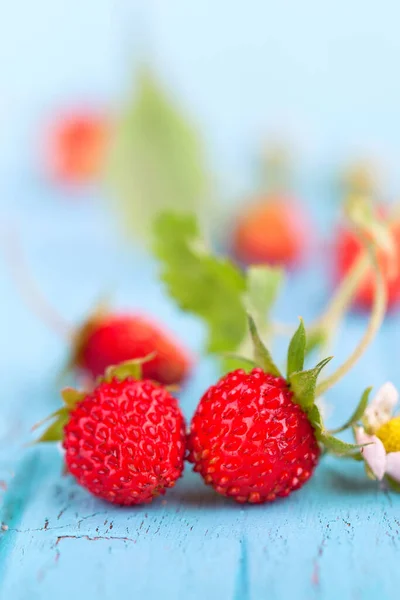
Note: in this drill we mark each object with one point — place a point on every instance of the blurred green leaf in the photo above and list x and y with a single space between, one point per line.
263 284
200 283
156 161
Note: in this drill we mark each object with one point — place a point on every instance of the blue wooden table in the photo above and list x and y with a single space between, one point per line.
338 537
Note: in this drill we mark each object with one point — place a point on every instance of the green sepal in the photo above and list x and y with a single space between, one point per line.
71 397
262 356
129 368
296 351
337 447
314 416
55 431
357 415
303 384
231 362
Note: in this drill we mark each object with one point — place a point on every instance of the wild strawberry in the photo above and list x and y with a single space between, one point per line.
76 146
348 249
255 436
125 441
272 230
249 440
109 339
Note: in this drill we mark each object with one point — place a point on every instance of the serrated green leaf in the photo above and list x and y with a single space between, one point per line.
156 161
71 397
336 446
55 432
303 384
207 286
262 287
296 351
357 415
262 356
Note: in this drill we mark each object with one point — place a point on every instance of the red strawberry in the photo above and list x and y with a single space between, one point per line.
76 146
272 230
348 249
125 441
109 339
250 441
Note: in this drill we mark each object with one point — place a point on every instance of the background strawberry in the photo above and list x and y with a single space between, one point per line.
348 249
271 230
109 339
76 145
125 441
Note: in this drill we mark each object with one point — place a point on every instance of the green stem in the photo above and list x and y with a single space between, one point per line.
375 322
344 295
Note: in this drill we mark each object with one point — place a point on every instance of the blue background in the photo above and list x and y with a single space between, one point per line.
326 75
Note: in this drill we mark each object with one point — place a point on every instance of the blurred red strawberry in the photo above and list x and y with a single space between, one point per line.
271 230
76 146
348 249
110 339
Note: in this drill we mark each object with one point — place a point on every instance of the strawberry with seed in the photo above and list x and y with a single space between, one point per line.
124 441
256 436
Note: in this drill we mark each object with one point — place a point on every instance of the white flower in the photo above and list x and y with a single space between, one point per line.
379 413
381 408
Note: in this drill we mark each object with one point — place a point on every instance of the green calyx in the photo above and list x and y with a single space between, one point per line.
72 397
303 383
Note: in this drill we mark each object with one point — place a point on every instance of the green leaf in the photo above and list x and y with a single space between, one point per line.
207 286
303 384
261 355
357 415
296 351
262 287
55 432
156 161
128 368
336 446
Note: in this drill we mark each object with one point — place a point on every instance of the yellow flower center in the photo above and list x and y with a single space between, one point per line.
389 434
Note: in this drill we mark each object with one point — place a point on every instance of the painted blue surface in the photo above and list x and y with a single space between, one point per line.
321 542
326 73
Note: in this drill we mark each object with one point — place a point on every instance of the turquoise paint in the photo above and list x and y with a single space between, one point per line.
266 64
322 542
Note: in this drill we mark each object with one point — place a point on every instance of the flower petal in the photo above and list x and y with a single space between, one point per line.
393 465
381 408
374 454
